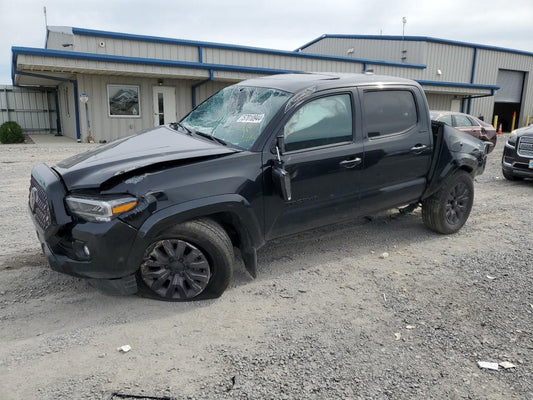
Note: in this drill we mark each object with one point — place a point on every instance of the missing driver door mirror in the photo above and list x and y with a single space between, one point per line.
282 181
281 178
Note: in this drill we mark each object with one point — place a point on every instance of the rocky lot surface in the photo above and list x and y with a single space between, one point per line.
327 318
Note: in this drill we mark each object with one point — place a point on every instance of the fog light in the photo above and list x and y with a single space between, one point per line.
86 251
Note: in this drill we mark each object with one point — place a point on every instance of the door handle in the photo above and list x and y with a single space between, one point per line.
350 163
419 148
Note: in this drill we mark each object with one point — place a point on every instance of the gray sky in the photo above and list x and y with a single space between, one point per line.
276 24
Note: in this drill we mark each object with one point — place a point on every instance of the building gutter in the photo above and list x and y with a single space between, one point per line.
73 55
459 85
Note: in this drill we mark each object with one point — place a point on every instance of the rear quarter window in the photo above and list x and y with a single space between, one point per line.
389 112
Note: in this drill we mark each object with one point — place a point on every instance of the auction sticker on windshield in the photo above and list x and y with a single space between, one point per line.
251 118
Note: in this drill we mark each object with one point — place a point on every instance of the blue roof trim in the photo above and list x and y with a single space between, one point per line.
417 39
458 85
143 61
212 45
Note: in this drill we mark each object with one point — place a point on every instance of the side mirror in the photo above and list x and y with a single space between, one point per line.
483 130
281 178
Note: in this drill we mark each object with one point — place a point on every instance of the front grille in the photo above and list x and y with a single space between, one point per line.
39 204
525 146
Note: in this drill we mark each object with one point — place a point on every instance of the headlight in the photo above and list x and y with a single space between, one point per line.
512 138
91 209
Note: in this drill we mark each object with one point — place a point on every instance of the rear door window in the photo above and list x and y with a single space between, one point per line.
389 112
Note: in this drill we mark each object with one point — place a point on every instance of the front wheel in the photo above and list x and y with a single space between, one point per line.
447 210
190 261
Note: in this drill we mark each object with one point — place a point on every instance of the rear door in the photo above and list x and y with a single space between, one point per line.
398 146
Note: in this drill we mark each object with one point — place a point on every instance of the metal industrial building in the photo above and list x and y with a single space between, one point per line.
110 84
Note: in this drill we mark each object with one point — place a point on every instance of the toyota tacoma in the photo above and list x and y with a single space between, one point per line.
161 212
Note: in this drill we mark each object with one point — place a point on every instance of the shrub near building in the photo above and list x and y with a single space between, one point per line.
11 132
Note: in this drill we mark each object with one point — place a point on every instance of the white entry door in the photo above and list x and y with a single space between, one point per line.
456 105
164 105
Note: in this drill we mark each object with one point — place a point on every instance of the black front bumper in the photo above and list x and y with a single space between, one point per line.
515 163
97 251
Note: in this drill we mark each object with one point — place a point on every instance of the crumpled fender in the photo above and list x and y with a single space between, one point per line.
242 215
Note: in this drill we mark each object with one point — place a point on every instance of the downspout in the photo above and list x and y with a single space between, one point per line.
477 97
194 87
58 119
77 110
54 78
472 77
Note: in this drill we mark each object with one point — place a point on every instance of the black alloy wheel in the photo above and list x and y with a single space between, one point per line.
458 201
188 261
175 269
447 210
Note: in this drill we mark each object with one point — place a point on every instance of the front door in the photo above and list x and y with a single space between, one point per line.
164 105
324 160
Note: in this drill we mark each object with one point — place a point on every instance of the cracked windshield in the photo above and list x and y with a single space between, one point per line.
236 115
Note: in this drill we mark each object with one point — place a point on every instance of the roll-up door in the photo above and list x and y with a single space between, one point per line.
510 83
508 99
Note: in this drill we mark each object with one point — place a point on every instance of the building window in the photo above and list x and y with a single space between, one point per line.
123 101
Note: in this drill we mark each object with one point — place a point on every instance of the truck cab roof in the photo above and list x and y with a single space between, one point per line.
295 83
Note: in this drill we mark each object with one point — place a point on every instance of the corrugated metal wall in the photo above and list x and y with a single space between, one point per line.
105 127
445 63
385 50
489 62
34 110
439 101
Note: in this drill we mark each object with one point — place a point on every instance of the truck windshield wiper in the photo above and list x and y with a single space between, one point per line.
191 131
180 125
213 138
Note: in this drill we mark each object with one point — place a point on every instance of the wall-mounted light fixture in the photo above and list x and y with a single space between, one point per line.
160 82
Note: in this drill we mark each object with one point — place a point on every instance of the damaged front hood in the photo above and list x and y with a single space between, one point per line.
156 146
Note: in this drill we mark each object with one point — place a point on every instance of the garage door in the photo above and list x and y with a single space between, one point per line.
510 83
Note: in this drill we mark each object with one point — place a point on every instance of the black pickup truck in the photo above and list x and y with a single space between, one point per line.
160 212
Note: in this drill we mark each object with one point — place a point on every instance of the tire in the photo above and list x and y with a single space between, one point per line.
447 210
190 261
510 176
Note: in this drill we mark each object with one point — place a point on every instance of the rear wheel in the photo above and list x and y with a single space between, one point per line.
447 210
189 261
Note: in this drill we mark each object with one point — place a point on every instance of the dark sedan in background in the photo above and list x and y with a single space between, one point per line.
468 124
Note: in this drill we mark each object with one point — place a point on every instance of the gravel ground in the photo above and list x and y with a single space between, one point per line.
327 317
